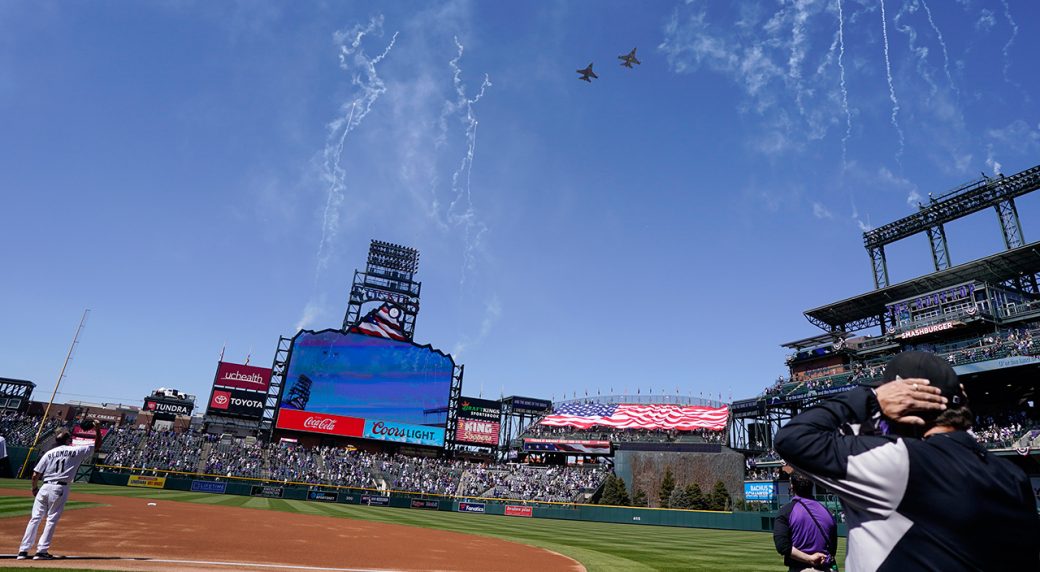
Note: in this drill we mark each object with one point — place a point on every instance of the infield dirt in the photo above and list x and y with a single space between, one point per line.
204 537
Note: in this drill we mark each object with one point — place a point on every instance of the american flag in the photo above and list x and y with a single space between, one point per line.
383 322
680 417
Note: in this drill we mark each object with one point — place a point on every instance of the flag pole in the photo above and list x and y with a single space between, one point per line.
46 412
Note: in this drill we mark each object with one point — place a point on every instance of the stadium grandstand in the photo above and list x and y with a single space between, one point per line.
982 316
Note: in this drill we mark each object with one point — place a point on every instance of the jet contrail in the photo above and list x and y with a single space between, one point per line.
844 91
942 44
370 86
892 88
794 61
473 228
1011 40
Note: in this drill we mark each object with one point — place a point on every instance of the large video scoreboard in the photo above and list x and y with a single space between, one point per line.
355 385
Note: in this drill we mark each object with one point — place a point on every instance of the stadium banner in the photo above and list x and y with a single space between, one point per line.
759 490
572 446
236 403
375 500
332 374
516 510
267 492
321 496
347 498
530 405
994 364
148 482
425 504
237 376
477 507
475 408
320 423
638 416
923 331
477 432
81 436
404 433
166 409
208 487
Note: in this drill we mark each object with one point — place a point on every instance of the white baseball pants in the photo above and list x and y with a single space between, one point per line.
50 502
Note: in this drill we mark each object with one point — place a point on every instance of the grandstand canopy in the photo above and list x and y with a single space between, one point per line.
816 341
865 310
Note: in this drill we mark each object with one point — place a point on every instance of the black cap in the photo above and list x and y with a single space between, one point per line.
63 436
928 366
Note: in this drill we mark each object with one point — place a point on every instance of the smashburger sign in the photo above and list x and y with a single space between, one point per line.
236 402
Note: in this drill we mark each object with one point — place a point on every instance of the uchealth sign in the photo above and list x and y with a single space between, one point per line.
237 376
236 402
476 431
403 433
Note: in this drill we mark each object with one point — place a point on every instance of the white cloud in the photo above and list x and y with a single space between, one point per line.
986 21
820 211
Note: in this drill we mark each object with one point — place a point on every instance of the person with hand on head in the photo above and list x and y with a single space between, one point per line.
919 492
804 531
57 469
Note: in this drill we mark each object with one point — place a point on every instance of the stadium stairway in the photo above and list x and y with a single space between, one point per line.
204 453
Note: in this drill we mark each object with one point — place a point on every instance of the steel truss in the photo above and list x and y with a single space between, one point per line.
970 198
453 408
274 390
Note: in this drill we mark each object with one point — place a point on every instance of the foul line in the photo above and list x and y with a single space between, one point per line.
282 566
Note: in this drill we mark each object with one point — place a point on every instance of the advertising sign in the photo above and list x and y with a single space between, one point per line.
208 487
759 491
148 482
374 500
347 498
238 376
320 423
236 403
81 436
474 408
516 510
321 496
571 446
530 405
402 433
350 382
477 432
471 507
166 408
425 504
267 492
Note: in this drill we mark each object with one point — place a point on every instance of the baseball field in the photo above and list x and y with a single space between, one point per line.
122 528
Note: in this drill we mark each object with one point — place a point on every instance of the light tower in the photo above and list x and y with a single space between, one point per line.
389 277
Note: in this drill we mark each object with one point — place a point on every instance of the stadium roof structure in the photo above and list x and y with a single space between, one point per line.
865 310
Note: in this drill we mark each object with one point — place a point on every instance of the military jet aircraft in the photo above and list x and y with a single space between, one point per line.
587 73
629 59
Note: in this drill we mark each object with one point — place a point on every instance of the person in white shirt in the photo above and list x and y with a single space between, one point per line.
57 469
3 457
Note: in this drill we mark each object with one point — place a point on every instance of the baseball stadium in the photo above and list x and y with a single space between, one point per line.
363 449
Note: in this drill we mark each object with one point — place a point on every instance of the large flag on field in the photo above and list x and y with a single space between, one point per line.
383 322
680 417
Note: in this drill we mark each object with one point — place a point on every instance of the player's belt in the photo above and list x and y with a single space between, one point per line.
62 483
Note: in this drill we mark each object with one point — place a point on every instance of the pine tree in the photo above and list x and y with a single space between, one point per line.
678 499
622 492
719 497
695 497
639 498
667 486
609 491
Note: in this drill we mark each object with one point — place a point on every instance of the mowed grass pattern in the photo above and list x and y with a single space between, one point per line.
599 546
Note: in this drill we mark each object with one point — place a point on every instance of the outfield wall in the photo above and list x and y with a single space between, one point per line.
747 521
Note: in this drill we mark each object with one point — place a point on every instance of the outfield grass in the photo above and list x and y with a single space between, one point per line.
599 546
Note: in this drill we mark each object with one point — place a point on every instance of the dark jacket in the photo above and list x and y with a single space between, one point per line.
942 503
795 527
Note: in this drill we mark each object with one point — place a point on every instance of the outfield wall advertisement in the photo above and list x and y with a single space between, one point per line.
356 385
147 482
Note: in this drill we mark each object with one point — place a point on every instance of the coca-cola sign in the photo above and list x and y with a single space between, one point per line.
320 423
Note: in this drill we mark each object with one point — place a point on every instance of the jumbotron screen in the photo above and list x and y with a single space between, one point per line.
357 385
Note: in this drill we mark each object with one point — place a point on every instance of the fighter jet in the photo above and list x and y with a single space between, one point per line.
629 59
587 73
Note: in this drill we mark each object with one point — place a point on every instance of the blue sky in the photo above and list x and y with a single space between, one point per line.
177 168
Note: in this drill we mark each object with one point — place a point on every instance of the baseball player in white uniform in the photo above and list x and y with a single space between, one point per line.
57 469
